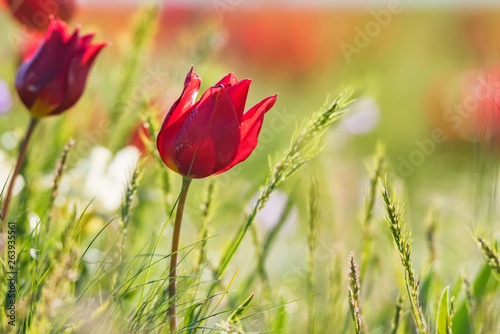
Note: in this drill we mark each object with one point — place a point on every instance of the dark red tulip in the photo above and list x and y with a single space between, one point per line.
52 79
36 14
199 139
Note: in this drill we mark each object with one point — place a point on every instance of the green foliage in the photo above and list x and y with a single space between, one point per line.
444 314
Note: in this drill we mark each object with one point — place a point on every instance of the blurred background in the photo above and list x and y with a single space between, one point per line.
421 74
410 64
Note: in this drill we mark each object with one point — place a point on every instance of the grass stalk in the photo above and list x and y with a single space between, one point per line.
58 174
17 169
403 243
312 241
354 292
376 173
490 253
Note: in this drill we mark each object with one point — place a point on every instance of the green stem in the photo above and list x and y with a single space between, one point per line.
17 169
172 285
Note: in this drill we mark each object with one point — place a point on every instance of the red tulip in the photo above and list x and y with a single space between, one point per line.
212 135
52 79
36 14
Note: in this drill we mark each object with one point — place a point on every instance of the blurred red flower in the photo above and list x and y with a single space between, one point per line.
212 135
52 79
467 105
36 14
139 138
481 96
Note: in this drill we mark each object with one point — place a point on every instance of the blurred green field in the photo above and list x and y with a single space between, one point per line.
403 81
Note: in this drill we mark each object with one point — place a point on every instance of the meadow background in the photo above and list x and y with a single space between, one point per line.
406 76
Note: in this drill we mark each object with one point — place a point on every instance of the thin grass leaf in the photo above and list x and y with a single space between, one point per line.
312 241
443 325
236 315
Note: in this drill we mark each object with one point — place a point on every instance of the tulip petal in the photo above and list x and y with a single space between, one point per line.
59 27
70 83
186 100
41 70
210 136
76 76
91 52
250 129
172 125
238 94
42 63
165 142
227 81
85 40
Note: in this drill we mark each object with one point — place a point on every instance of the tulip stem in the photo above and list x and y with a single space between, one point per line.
172 285
17 169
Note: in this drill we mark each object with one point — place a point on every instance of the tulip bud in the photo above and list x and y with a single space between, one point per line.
212 135
52 79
